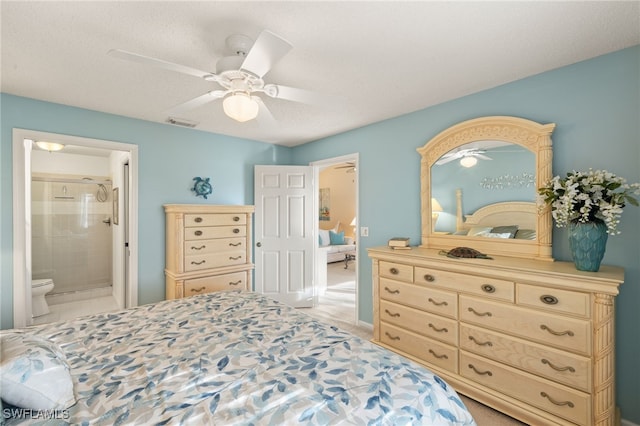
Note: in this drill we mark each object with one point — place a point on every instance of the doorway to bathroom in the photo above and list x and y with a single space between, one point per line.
77 208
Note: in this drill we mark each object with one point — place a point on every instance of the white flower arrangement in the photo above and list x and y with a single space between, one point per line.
589 197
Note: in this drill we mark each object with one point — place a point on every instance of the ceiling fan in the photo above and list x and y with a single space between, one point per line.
468 157
350 166
240 75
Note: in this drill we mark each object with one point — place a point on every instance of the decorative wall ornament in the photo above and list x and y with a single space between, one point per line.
524 180
202 187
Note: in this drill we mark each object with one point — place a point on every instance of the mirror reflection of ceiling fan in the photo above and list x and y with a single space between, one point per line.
467 157
240 76
349 166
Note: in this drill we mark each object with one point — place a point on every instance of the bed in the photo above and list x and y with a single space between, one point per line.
227 358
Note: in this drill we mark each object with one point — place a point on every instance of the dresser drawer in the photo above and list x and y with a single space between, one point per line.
429 325
562 401
559 366
489 287
561 332
214 260
195 247
434 301
396 271
214 219
431 351
234 281
563 301
206 233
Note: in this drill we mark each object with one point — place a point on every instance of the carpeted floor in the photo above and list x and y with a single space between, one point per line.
337 306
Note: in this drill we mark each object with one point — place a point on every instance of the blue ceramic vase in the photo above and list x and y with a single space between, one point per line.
588 242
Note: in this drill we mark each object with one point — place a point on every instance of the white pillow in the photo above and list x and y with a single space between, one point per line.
336 228
324 237
478 231
34 373
496 235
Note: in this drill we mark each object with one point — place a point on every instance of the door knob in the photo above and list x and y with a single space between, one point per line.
259 244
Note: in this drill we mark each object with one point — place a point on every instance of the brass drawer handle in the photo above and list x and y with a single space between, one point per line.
236 231
439 330
236 218
198 233
392 291
482 373
392 337
235 282
193 262
568 403
235 257
474 340
429 278
549 299
557 333
235 244
480 314
443 356
488 288
547 362
394 271
396 315
198 290
197 220
198 248
438 303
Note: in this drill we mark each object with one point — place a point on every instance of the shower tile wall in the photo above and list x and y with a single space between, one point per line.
70 241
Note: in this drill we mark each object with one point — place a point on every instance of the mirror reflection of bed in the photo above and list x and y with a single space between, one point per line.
508 220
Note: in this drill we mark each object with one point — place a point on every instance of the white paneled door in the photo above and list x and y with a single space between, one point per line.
284 237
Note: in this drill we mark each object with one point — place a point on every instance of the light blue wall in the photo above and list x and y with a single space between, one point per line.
169 158
595 105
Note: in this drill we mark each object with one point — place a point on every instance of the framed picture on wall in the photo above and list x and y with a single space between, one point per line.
325 209
116 205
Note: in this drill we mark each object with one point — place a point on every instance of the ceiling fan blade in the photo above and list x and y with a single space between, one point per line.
122 54
446 159
266 51
298 95
198 101
264 118
484 157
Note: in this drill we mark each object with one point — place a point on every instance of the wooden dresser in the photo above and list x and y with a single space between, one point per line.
208 248
532 339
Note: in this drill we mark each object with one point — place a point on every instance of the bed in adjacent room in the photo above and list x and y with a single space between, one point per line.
219 358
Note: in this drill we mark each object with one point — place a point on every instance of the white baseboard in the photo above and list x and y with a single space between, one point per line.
624 422
370 327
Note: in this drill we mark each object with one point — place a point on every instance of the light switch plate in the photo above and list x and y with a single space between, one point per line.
364 231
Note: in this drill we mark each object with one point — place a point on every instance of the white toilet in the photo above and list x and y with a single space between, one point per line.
39 288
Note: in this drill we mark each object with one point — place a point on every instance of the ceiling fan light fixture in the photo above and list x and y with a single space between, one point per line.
240 106
468 161
49 146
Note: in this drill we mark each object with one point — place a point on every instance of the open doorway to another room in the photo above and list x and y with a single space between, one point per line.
337 265
73 220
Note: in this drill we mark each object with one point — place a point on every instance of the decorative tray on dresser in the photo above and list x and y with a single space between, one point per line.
533 339
208 248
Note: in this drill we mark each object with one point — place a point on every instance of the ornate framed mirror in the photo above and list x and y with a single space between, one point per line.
479 181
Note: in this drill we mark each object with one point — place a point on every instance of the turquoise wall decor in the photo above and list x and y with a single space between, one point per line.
202 187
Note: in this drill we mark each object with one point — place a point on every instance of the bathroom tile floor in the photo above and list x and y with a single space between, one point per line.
78 308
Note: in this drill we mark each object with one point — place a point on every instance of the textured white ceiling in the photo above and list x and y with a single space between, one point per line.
383 59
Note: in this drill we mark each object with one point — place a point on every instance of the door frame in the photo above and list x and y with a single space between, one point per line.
22 215
327 162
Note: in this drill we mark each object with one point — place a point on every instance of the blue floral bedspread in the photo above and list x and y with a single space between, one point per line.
235 358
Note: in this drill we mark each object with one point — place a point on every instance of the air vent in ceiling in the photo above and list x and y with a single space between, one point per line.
181 122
